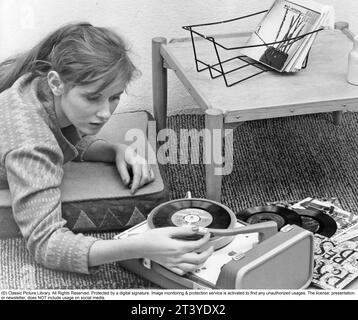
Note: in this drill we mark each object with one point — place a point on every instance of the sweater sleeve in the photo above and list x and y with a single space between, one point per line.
82 146
80 142
34 174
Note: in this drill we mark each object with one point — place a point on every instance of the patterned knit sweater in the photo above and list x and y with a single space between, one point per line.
33 150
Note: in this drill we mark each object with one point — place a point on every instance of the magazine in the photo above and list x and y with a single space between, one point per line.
285 35
335 264
335 258
349 234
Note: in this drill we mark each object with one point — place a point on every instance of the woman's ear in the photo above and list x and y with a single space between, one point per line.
56 85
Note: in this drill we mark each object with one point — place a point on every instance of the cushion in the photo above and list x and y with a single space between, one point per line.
94 199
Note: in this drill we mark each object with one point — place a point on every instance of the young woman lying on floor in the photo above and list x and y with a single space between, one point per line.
54 99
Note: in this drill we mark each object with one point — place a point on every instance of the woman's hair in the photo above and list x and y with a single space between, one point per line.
80 53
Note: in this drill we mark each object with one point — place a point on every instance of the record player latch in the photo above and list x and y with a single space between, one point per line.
287 228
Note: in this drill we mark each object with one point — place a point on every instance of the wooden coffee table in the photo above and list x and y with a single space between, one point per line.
321 87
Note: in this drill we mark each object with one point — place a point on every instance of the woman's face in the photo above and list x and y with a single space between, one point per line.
88 111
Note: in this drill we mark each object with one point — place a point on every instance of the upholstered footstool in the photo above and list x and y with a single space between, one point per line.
94 199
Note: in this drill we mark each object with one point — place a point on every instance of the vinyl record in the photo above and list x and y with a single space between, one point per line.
190 213
195 212
281 215
317 222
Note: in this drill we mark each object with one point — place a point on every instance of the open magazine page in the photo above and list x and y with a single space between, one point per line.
335 264
335 257
284 21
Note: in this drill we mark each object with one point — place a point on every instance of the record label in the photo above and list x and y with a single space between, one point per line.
192 217
310 224
266 216
281 215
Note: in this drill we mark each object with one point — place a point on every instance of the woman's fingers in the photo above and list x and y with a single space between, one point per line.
152 175
123 172
146 175
184 233
177 271
142 175
190 262
137 177
196 258
188 267
186 255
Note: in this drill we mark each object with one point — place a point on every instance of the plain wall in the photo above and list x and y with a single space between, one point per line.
24 22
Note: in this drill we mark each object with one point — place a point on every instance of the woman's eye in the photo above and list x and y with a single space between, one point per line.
93 98
114 98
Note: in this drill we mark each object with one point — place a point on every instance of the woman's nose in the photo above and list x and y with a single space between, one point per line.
105 112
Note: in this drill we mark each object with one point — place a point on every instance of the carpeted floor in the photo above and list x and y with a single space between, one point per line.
278 159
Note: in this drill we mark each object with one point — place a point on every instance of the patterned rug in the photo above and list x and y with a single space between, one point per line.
280 159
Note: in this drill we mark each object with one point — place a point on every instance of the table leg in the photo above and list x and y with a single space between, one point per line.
214 122
337 117
159 83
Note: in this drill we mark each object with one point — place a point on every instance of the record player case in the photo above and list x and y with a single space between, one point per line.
282 260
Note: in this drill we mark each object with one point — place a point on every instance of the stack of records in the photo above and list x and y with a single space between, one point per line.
283 38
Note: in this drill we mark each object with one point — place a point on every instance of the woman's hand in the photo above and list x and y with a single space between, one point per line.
133 169
163 246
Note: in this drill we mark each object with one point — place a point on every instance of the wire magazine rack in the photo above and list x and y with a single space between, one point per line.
219 68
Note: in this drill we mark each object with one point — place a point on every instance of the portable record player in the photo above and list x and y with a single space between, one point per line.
247 256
